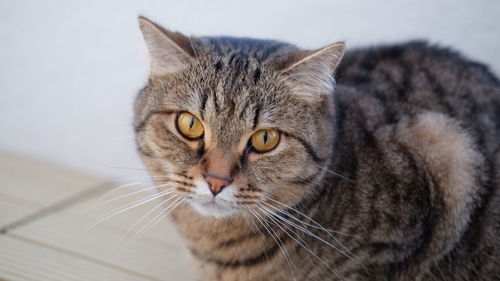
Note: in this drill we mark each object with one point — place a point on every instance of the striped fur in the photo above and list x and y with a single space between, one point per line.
391 175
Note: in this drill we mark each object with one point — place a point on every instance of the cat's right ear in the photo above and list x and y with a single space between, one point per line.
311 72
169 51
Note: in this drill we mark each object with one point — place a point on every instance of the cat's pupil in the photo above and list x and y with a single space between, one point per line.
191 123
265 137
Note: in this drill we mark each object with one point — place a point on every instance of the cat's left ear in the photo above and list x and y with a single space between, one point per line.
169 51
313 70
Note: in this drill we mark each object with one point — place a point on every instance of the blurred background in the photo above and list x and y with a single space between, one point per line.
69 72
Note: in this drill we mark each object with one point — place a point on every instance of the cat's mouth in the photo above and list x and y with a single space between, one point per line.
214 207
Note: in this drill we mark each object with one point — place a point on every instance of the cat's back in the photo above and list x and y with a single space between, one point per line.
414 77
429 98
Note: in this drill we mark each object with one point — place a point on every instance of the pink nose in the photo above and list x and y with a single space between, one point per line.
217 183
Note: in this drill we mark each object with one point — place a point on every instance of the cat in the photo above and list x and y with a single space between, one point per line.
275 169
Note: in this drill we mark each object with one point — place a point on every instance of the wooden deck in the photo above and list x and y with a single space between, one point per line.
45 234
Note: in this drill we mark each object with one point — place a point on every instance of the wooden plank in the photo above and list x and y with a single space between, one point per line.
23 260
39 183
12 210
161 234
51 215
65 232
39 186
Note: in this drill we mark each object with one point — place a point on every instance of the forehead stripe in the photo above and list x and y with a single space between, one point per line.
256 117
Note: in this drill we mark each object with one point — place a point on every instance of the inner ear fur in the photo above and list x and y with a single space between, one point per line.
169 51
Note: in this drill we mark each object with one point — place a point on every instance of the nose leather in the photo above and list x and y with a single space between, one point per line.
217 183
219 167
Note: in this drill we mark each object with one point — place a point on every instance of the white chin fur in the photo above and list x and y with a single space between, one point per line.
212 209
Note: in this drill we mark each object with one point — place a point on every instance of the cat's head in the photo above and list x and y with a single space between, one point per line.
228 124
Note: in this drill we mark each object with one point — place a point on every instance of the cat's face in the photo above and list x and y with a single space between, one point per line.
230 127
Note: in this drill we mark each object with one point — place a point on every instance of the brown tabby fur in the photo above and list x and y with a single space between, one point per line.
400 161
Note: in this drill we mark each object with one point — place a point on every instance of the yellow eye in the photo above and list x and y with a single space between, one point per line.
189 126
265 140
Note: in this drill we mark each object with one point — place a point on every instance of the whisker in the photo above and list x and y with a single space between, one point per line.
156 219
127 207
127 195
318 225
121 167
339 175
250 222
311 234
130 178
118 188
127 234
276 239
277 223
319 228
130 184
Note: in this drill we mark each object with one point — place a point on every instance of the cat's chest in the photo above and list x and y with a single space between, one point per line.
215 239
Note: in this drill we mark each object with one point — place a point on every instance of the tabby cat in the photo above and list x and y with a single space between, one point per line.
273 169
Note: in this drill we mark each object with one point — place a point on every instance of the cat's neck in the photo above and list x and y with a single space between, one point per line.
217 239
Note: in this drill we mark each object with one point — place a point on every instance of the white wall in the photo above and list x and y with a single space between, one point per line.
69 70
